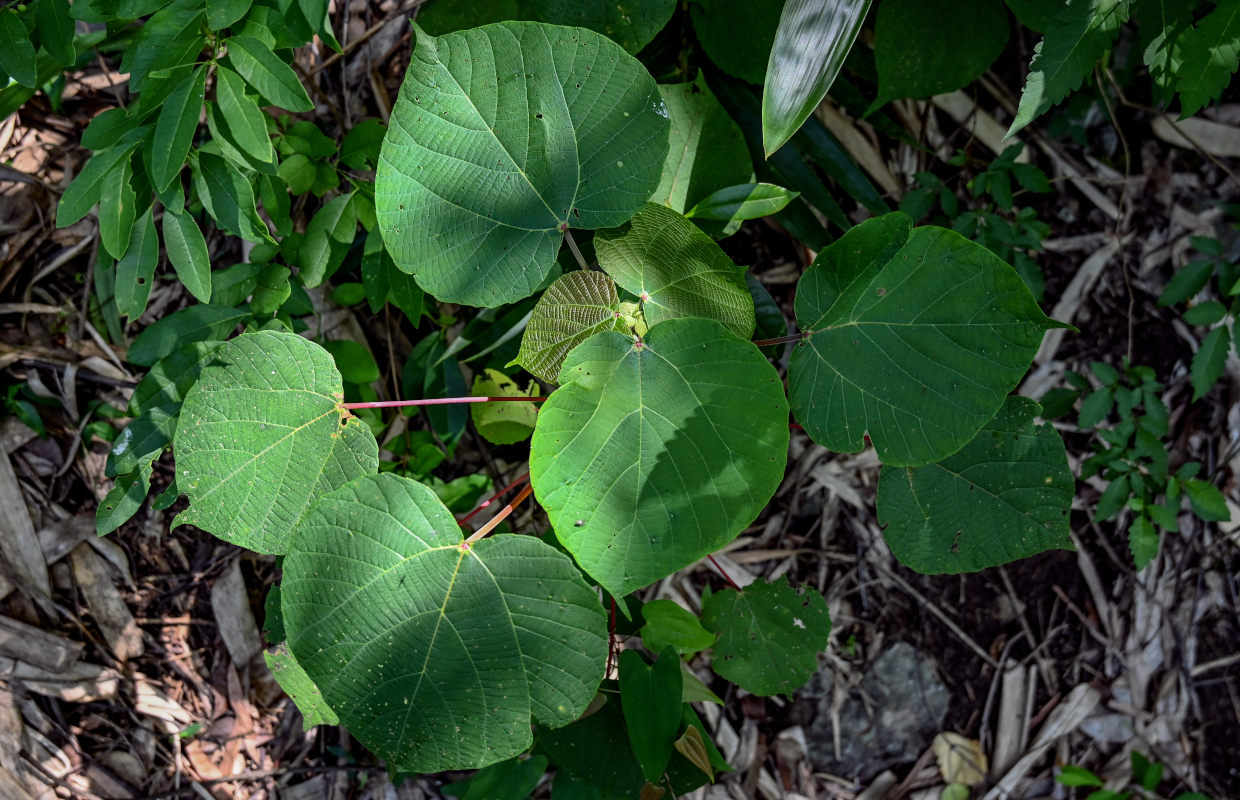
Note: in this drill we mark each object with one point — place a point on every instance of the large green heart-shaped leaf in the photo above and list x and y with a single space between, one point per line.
574 308
262 435
1003 497
503 137
913 337
436 654
676 270
654 453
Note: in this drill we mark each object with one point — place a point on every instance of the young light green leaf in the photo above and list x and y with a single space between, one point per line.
328 237
918 55
222 13
479 177
706 150
669 625
88 186
246 121
746 201
1207 501
504 422
175 127
17 56
650 697
187 250
118 208
676 270
298 686
262 436
811 42
490 634
1208 361
629 23
913 337
578 305
1211 54
135 272
263 69
55 27
1077 37
655 453
228 198
1004 496
769 635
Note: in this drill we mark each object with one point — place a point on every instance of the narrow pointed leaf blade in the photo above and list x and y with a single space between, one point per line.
135 271
187 250
1003 497
436 655
175 127
55 26
914 338
262 435
769 635
574 308
229 198
118 209
246 121
17 56
653 454
676 270
503 137
741 202
263 69
811 42
86 189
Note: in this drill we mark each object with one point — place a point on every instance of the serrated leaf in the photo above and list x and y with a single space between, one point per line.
1142 541
503 422
135 271
17 56
487 162
268 74
246 121
650 697
629 23
229 198
1208 361
578 305
489 635
298 686
676 270
1207 501
914 336
1078 36
187 251
262 436
175 127
1003 497
1160 24
746 201
918 55
653 454
769 635
811 42
1211 53
706 150
670 625
55 27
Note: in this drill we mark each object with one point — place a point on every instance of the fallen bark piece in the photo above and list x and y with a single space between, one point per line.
235 618
35 646
79 683
96 580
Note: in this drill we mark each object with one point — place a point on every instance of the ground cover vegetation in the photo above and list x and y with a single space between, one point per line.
550 205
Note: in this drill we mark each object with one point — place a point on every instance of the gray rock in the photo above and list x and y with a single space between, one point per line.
888 720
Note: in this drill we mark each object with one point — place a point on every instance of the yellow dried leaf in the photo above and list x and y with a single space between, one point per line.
961 760
691 746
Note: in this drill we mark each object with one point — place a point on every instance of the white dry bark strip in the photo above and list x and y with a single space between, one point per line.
979 123
1066 717
1217 139
1073 297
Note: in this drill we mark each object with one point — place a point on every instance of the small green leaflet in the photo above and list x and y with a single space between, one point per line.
745 201
657 452
262 435
187 250
135 271
1004 496
175 127
222 13
769 635
913 337
574 308
86 189
118 208
504 137
436 654
246 121
650 697
263 69
676 270
229 198
124 499
298 686
1208 361
670 625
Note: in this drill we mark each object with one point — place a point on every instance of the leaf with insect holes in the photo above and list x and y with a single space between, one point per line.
435 654
503 137
769 635
1003 497
262 435
913 337
653 453
574 308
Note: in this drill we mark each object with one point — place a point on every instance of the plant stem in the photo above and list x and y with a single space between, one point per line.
498 518
572 245
441 401
495 497
725 575
792 337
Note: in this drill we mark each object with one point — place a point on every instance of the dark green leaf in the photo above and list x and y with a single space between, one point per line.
228 198
143 440
175 127
738 34
107 128
298 686
746 201
263 69
17 56
222 13
360 148
1142 541
170 378
123 500
706 150
135 272
187 250
118 208
629 23
1211 53
1096 407
650 697
354 361
1208 361
1207 313
1070 775
246 121
670 625
328 237
1207 501
86 189
1190 279
55 27
513 779
197 323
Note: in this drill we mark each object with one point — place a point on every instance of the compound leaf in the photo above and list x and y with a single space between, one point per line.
630 24
655 453
187 250
676 270
436 654
769 635
262 435
1004 496
574 308
1211 54
135 271
502 138
913 337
